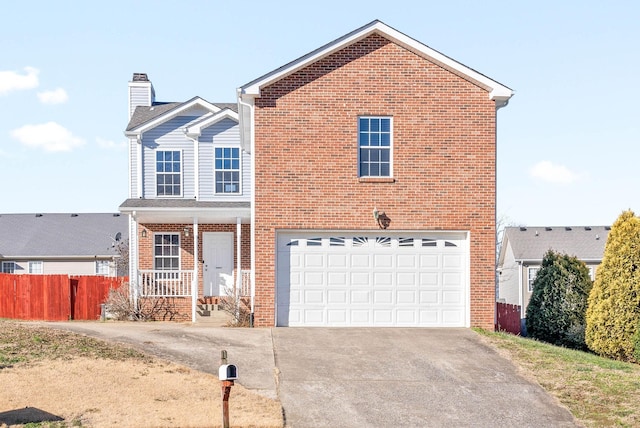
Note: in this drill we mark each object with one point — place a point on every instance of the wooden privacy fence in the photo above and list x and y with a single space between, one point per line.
54 297
508 318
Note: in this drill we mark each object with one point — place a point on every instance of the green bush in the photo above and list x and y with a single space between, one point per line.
613 313
556 311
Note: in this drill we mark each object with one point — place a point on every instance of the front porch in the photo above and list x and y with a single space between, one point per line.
189 252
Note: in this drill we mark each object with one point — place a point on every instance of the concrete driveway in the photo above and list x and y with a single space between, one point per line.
355 377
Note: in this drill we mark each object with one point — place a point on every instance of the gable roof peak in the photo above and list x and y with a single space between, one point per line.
497 91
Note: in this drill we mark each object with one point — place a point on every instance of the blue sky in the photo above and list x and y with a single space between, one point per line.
568 143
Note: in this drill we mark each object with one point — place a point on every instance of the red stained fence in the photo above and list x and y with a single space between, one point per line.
54 297
508 318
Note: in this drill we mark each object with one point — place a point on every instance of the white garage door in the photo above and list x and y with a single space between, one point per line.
372 279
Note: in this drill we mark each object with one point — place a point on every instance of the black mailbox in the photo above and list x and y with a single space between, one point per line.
228 372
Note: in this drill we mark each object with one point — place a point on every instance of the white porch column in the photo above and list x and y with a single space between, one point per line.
238 258
196 270
134 248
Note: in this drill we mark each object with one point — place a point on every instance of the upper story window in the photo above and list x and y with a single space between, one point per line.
531 272
374 146
36 267
8 267
227 170
166 251
168 173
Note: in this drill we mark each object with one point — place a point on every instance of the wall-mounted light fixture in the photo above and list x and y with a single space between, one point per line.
186 231
381 218
143 233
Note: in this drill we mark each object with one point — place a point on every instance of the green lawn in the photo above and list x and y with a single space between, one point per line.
599 392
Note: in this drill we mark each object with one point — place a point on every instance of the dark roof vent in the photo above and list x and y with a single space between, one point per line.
567 228
116 214
74 215
587 228
140 77
38 215
548 229
607 228
523 229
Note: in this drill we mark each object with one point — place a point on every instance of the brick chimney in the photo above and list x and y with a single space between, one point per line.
141 92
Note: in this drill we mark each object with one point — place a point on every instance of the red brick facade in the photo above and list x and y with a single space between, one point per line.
306 158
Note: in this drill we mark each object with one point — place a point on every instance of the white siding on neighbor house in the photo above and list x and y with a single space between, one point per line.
168 136
62 267
221 134
508 279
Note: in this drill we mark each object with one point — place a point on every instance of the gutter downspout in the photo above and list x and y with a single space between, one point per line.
139 186
253 204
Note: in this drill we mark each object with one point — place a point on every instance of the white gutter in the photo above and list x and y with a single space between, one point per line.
139 166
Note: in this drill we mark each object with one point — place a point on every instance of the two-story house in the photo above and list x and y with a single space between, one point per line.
189 195
367 175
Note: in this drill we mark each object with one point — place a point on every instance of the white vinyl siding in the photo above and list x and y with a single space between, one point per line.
221 134
168 136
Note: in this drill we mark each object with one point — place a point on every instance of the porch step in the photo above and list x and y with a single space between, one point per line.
211 314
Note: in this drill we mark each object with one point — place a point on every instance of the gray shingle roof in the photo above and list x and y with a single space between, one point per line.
181 203
59 235
143 114
583 242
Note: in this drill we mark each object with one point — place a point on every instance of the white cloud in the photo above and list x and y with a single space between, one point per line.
57 96
111 145
14 81
552 173
49 136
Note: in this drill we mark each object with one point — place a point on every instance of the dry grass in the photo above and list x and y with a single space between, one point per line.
599 392
86 382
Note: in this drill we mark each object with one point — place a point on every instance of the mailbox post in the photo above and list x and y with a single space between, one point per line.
227 373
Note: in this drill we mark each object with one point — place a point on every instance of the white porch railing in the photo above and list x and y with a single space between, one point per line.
177 283
165 283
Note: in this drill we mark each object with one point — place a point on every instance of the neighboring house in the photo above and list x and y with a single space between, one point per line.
73 244
365 192
523 248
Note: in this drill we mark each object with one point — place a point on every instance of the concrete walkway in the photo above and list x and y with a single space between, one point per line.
356 377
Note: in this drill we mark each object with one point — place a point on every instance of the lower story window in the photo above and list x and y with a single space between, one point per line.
8 267
532 272
103 267
166 251
35 268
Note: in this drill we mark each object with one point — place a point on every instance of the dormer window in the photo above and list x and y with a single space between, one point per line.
168 173
227 169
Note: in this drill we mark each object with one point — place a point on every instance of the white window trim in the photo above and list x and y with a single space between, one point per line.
155 172
33 262
390 147
153 248
240 158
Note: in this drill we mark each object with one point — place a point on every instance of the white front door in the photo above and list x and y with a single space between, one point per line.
217 271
